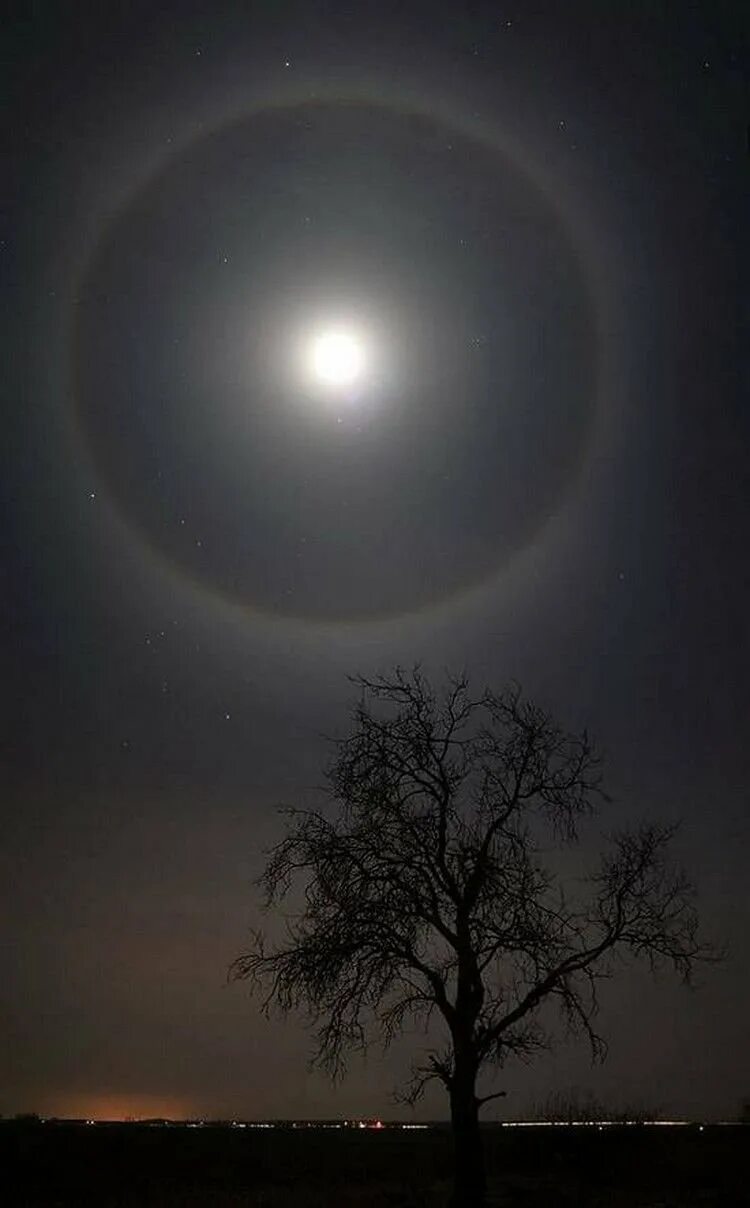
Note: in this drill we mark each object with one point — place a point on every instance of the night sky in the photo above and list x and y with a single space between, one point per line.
529 221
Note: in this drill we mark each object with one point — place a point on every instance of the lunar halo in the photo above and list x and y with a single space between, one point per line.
337 356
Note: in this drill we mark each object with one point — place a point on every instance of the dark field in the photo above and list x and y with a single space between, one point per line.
215 1167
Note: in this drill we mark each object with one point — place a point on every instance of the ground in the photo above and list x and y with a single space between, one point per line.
139 1166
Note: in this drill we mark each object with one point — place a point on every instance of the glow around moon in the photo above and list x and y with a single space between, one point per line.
361 419
336 358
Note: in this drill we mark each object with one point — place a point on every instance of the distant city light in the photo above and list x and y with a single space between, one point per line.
376 1125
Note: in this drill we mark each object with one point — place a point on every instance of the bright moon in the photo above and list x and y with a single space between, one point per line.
337 358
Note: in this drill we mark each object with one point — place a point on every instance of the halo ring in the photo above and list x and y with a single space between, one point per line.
563 205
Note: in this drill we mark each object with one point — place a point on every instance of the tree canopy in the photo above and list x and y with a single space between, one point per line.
433 890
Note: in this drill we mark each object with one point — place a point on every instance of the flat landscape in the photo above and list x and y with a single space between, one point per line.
129 1165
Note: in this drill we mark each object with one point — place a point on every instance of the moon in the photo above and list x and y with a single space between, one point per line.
336 358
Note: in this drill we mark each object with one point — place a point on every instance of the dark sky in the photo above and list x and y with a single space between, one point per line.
533 216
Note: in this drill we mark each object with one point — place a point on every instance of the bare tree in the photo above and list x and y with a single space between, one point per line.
431 893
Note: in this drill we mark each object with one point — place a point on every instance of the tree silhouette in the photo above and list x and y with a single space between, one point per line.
431 892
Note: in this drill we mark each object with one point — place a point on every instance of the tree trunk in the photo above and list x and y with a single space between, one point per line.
469 1176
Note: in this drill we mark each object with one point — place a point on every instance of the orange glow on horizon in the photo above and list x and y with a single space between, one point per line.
114 1106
